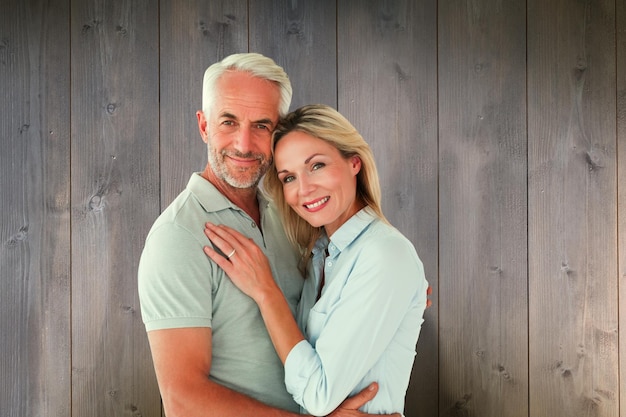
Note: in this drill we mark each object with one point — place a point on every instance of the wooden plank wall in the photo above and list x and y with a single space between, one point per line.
482 209
35 258
498 126
114 195
572 210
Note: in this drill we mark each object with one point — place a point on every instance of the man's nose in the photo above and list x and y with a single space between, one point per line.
243 139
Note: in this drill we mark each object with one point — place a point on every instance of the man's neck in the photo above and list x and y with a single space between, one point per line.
244 198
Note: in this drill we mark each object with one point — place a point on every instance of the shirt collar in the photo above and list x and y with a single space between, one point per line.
346 234
211 199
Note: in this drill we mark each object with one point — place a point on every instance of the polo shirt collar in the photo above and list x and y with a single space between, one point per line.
211 199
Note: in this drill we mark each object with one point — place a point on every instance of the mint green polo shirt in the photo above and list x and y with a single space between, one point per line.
179 286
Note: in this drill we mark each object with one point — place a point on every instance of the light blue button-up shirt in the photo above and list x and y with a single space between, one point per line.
365 326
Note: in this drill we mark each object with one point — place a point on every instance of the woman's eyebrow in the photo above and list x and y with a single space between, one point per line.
306 161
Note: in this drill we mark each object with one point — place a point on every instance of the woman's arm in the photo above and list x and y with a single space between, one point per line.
357 328
253 275
371 294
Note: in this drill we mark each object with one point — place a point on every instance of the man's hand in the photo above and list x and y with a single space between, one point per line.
350 406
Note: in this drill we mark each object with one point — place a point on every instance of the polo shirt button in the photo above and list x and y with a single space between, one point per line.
253 224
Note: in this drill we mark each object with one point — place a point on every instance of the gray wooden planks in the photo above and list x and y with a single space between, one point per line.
482 209
115 198
301 37
34 209
573 320
620 20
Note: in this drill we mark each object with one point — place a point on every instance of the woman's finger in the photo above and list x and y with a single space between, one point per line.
220 245
218 258
232 238
228 233
227 243
221 232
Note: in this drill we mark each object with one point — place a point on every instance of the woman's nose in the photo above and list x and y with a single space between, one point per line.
305 185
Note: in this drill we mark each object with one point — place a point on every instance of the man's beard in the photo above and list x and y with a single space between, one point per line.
244 178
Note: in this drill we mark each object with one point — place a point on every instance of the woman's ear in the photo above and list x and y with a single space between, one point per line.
356 164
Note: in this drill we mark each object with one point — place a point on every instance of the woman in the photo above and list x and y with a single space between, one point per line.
363 301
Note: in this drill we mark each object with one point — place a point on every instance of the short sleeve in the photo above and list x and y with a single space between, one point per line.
175 288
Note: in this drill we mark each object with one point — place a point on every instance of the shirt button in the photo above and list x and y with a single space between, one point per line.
253 224
330 263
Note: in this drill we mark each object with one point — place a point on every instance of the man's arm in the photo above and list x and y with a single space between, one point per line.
350 406
182 360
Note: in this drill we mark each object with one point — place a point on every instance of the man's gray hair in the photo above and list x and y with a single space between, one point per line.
256 64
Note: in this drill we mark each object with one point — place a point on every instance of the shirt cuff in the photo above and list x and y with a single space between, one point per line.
301 363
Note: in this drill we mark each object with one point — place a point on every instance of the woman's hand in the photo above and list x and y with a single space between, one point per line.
248 268
242 260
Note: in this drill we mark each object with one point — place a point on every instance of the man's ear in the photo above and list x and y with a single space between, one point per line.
202 125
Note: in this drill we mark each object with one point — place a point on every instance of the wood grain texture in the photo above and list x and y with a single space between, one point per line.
482 209
387 89
506 170
301 37
572 209
621 187
115 198
34 209
193 35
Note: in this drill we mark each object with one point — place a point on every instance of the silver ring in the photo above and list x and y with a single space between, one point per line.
230 254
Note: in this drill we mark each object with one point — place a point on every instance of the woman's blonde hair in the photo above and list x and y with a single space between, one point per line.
325 123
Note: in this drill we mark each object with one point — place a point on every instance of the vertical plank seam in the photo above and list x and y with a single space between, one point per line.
527 217
438 182
616 17
71 246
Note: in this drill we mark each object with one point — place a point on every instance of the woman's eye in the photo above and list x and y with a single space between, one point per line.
287 179
317 166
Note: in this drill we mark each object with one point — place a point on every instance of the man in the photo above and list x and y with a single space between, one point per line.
211 351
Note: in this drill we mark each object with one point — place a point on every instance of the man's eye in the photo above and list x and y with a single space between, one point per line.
263 127
228 122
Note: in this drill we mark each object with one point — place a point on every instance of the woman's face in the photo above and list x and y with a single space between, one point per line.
318 183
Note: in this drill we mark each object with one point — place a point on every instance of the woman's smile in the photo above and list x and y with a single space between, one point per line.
317 204
319 183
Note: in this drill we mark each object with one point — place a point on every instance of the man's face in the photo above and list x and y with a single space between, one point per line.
239 128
